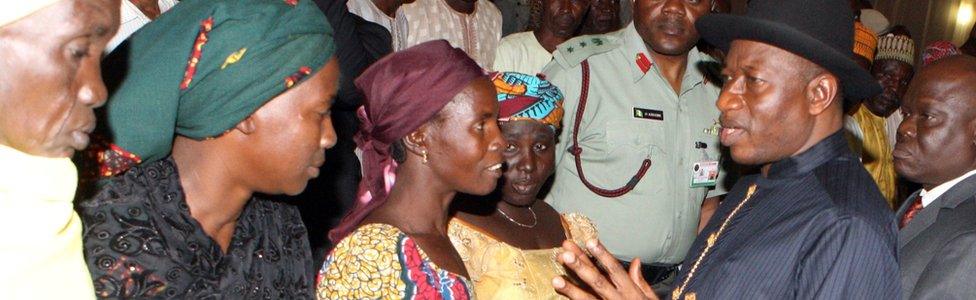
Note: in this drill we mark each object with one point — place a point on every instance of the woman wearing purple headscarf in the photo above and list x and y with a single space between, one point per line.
429 125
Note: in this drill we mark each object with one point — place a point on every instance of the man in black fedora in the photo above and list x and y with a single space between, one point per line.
812 225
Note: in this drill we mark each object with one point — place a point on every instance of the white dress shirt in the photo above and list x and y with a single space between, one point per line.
936 192
521 52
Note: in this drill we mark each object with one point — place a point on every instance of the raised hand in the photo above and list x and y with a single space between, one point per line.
620 284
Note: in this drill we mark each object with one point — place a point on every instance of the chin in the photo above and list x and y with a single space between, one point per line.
518 199
745 156
670 46
62 152
905 169
294 189
481 191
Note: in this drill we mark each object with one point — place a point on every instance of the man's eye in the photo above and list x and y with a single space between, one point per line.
510 148
77 53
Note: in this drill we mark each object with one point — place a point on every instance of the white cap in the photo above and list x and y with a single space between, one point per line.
874 20
13 10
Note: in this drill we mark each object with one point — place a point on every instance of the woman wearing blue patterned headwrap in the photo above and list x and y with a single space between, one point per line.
509 245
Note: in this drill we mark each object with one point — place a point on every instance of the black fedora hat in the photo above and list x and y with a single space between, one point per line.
822 31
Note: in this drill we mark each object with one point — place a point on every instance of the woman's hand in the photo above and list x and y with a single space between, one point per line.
619 285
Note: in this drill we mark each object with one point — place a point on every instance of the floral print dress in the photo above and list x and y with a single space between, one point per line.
378 261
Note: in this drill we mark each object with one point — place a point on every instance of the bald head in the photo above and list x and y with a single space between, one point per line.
937 139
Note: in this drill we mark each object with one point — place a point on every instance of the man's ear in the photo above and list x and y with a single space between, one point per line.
822 92
416 141
247 126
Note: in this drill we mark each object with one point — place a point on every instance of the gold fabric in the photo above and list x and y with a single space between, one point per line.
501 271
876 153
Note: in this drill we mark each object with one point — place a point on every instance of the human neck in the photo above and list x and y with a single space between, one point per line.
464 7
548 39
824 126
519 212
956 175
388 7
418 204
215 198
672 67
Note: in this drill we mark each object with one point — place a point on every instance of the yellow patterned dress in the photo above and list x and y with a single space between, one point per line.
378 261
501 271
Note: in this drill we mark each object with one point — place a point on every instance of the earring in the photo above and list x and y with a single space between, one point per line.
424 154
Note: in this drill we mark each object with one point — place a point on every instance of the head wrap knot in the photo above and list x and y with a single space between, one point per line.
523 96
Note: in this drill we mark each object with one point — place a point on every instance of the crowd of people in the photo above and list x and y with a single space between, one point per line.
523 149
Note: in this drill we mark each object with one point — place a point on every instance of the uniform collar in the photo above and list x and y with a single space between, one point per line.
827 149
642 63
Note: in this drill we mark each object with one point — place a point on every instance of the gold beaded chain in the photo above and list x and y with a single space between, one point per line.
712 238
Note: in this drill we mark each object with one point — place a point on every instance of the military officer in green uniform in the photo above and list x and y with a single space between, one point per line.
639 151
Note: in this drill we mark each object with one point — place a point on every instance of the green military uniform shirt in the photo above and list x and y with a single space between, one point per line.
632 113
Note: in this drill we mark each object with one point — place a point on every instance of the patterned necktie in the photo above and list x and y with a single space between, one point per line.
911 212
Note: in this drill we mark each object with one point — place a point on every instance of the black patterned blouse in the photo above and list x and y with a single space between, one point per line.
141 242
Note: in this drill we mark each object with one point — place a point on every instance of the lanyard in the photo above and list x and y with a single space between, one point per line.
577 151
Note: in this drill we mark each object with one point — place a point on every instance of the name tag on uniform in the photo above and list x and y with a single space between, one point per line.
650 114
704 173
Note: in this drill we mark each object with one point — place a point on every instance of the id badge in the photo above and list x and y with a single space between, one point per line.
704 173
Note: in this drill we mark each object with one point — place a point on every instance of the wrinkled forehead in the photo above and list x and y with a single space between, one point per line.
77 18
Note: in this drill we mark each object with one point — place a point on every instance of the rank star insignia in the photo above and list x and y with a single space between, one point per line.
570 49
582 44
597 42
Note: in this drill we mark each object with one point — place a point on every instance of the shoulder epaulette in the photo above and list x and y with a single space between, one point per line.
570 53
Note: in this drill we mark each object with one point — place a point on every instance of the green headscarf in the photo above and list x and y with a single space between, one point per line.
205 65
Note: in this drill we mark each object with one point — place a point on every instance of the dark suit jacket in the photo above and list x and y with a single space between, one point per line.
937 250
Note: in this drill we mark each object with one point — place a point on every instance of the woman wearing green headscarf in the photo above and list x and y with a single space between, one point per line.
222 99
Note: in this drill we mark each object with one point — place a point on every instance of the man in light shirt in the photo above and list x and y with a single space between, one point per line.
527 52
475 26
381 12
135 14
49 86
937 148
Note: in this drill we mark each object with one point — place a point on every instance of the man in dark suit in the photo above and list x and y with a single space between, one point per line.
813 224
937 148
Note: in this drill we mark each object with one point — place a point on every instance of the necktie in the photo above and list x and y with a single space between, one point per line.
911 212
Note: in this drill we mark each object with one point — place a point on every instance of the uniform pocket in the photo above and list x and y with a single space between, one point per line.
637 139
